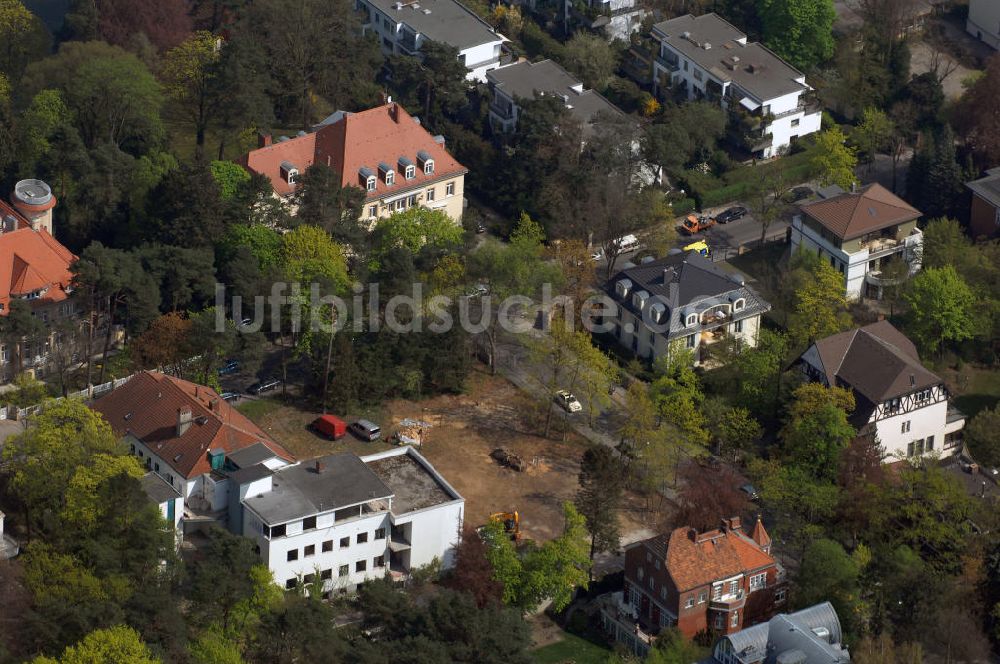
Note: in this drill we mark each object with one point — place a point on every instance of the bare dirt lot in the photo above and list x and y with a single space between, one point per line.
464 430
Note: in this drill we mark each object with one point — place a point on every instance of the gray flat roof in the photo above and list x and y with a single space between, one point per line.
988 188
299 491
526 80
770 77
443 21
249 474
413 486
251 456
157 488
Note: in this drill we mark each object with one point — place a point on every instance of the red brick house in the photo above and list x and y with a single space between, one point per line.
721 580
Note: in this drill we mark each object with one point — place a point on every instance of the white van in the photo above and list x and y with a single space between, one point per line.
626 244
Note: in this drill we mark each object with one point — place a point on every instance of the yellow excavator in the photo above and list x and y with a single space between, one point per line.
511 523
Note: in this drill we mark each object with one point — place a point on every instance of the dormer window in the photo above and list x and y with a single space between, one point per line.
388 175
425 161
288 172
367 177
739 304
692 319
407 168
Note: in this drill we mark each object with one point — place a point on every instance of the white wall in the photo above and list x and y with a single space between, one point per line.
924 422
984 21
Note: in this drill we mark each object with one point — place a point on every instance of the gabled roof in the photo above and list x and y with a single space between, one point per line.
355 141
853 214
877 361
988 187
31 261
147 407
694 559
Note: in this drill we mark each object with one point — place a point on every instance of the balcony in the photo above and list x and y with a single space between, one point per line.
875 278
882 246
729 602
666 64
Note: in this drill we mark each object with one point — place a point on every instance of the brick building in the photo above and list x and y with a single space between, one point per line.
720 581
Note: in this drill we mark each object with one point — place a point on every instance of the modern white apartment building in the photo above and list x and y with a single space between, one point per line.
514 83
617 19
859 232
403 27
683 301
984 21
345 519
705 57
899 401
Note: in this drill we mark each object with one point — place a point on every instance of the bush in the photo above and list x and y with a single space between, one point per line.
683 206
537 42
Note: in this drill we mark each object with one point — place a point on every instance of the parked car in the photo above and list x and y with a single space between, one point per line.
693 224
799 193
330 426
228 367
732 214
231 396
626 244
365 430
750 491
265 385
568 402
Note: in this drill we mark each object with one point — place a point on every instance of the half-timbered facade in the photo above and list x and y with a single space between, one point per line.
898 400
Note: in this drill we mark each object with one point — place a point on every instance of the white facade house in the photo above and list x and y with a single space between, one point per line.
513 83
901 403
984 21
860 233
167 499
705 57
403 27
617 19
344 519
681 302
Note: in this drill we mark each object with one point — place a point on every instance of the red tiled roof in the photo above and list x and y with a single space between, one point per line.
30 261
850 215
357 140
697 559
147 407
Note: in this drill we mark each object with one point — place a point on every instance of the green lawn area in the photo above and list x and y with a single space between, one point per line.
978 389
739 183
258 408
572 649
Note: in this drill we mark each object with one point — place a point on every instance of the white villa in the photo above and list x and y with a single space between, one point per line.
859 232
899 401
706 57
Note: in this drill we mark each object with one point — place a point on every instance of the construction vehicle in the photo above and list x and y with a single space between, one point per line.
693 224
506 458
701 247
511 524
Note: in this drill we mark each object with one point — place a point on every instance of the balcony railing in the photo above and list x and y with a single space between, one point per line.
728 602
666 64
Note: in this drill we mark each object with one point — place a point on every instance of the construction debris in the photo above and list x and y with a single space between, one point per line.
411 432
505 457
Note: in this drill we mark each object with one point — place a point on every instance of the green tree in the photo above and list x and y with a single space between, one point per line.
225 580
83 505
820 300
674 648
213 647
873 133
113 96
310 254
591 58
934 180
187 73
979 118
942 308
21 330
263 243
803 502
736 432
828 573
982 435
758 374
817 431
114 644
416 229
45 114
434 82
834 159
599 497
324 202
23 38
44 457
800 31
230 177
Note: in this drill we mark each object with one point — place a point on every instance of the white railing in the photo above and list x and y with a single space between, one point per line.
12 412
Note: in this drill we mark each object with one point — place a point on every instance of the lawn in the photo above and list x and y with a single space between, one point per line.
258 408
572 649
975 388
740 182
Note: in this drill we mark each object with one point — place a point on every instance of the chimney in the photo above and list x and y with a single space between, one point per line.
854 187
34 200
394 112
263 139
184 420
320 466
